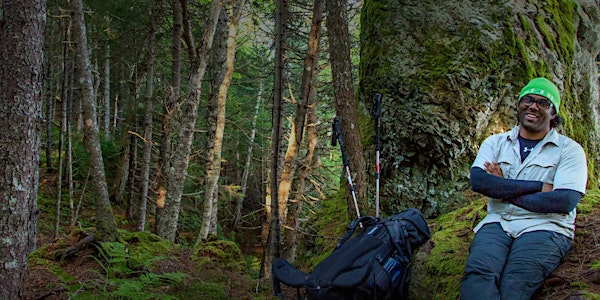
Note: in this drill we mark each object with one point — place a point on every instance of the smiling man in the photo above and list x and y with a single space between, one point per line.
534 177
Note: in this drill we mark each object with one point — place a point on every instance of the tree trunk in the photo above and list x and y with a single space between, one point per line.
213 166
131 175
148 115
107 93
164 169
306 105
273 241
167 223
49 117
61 139
105 223
21 57
69 155
345 103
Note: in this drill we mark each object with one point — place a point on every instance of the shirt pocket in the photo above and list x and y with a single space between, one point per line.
542 167
508 166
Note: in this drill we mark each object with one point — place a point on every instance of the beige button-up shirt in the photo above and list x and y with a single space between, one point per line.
556 159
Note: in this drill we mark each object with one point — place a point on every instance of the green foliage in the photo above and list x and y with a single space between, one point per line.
595 265
146 286
589 202
81 164
225 254
202 290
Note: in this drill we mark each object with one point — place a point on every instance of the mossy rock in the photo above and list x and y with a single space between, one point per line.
450 72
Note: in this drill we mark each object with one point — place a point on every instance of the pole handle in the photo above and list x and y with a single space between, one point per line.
376 106
337 132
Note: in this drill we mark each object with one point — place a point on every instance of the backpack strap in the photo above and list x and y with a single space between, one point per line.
362 221
284 272
398 236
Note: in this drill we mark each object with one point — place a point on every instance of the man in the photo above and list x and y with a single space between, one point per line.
534 177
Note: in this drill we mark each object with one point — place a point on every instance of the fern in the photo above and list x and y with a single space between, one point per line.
121 268
143 287
118 262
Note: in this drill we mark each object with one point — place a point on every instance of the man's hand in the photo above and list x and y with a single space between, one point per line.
493 169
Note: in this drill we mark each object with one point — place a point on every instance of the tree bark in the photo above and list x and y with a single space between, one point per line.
107 93
61 138
306 104
49 117
106 227
148 119
211 169
345 102
273 241
22 26
167 223
213 166
169 106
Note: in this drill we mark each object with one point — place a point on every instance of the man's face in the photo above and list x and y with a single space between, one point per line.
535 115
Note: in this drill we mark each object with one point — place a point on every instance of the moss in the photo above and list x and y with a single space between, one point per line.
529 69
36 259
146 242
201 290
523 21
563 14
331 225
226 254
589 202
451 236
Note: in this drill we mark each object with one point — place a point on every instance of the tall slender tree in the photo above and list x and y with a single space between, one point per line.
239 204
106 116
345 101
22 25
305 105
169 105
148 116
273 240
105 223
178 159
213 166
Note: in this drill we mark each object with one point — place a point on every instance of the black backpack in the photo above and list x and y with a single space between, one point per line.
373 264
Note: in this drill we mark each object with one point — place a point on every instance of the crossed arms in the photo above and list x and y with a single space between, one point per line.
534 196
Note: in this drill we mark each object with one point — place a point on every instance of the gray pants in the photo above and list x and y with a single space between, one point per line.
502 267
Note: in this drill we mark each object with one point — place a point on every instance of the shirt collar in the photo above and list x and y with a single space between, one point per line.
551 136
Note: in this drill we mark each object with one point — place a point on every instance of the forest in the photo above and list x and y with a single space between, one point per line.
156 149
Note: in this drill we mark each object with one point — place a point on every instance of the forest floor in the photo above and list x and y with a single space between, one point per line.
566 283
574 275
573 280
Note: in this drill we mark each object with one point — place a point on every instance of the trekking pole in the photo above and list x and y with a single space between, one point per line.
337 135
376 113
